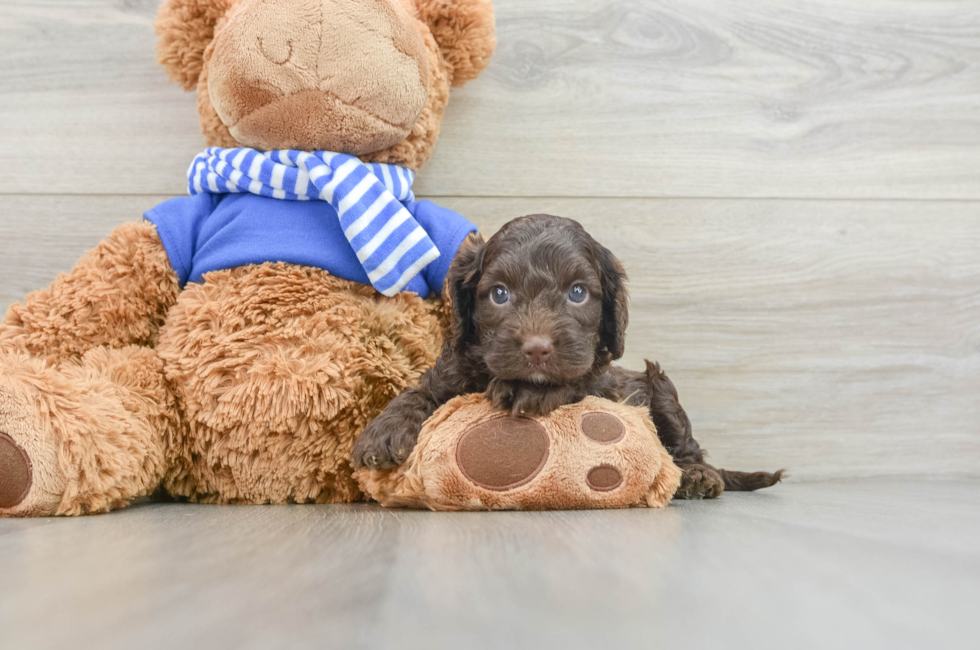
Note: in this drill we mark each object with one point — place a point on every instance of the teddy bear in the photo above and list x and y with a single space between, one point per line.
595 453
231 344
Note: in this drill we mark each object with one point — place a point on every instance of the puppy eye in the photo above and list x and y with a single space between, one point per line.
578 293
499 294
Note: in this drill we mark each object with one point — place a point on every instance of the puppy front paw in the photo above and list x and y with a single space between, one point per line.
699 482
384 444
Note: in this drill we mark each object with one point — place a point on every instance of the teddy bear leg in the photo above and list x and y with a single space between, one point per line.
81 403
84 437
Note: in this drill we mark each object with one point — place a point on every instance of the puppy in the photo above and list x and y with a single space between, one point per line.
539 314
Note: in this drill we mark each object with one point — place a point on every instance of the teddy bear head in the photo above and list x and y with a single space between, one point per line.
365 77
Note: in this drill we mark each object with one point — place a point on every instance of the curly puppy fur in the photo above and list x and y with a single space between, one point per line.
540 312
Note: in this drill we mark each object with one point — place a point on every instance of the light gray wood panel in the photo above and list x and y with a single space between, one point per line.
835 338
41 236
816 98
869 564
84 106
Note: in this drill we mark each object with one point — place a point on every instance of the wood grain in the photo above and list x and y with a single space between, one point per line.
892 564
659 98
835 338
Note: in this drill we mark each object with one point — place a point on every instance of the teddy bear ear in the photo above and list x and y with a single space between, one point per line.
464 31
185 28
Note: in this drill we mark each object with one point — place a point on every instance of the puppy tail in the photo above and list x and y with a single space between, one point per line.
749 481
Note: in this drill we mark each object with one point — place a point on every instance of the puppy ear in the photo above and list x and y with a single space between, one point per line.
615 302
464 31
185 29
460 290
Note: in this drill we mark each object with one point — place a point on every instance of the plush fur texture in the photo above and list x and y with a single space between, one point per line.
257 385
94 428
277 369
185 29
280 74
251 387
337 75
435 477
465 32
117 295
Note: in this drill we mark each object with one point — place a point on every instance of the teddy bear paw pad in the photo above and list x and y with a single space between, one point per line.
15 472
604 478
503 453
603 428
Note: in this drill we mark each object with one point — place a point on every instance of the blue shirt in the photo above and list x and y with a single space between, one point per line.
211 232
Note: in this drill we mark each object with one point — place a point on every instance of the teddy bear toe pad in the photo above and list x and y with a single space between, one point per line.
15 472
603 428
503 453
604 478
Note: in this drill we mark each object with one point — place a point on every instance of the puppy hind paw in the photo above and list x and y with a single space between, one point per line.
699 482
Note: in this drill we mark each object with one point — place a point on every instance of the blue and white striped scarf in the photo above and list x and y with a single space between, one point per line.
391 246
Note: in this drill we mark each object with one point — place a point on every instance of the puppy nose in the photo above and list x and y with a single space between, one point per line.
537 349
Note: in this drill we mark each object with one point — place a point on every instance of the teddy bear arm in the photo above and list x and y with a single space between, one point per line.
117 294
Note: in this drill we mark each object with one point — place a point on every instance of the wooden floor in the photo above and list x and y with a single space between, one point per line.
870 564
794 187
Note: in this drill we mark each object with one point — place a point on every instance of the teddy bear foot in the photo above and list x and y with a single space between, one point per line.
15 473
31 481
83 437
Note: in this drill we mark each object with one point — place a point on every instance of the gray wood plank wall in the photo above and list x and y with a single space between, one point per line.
793 186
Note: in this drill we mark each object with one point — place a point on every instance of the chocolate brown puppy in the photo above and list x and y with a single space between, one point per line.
539 314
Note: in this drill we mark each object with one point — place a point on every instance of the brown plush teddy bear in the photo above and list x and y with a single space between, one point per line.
592 454
233 344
